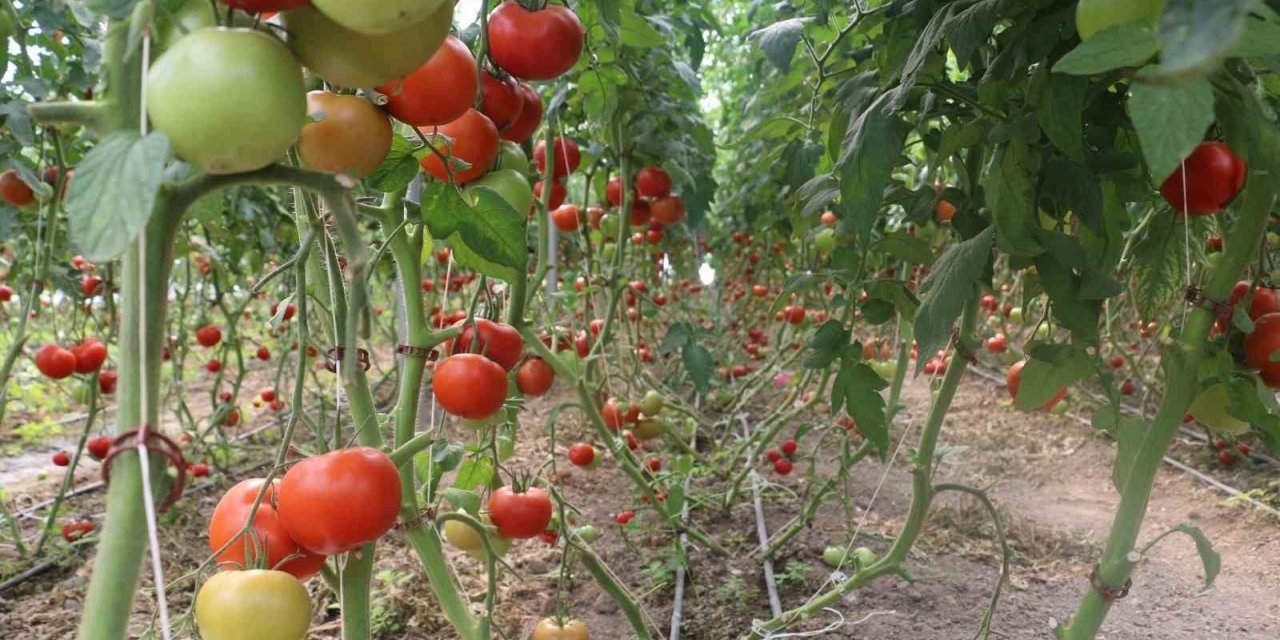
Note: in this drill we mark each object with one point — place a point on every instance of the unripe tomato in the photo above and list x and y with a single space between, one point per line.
535 45
343 134
512 186
652 403
1013 379
522 128
553 629
653 182
348 58
471 138
262 6
380 17
462 536
469 386
567 159
500 100
253 605
825 241
1206 181
338 501
648 429
1212 409
511 157
520 515
535 377
438 92
227 523
230 100
833 556
13 190
55 362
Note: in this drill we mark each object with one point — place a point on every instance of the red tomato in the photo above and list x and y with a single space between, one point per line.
1265 300
565 217
213 366
1260 344
759 290
107 382
783 467
522 128
558 193
99 447
535 45
997 343
471 138
14 191
1013 380
640 213
582 454
439 92
6 293
614 415
520 515
653 182
828 218
668 210
535 377
90 355
470 386
500 100
499 342
89 285
340 500
227 524
1206 181
625 517
613 191
55 362
789 447
567 159
62 459
76 529
208 335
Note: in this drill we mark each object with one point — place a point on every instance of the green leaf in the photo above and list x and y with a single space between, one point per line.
948 287
872 148
1058 110
488 236
698 362
1049 368
397 170
857 388
779 41
1261 39
1125 45
678 335
826 344
1159 265
637 32
1069 186
463 499
1197 35
1171 120
474 472
1069 307
111 199
1211 559
905 247
896 293
926 45
795 283
1009 196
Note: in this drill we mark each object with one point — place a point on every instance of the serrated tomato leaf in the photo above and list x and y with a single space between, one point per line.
112 197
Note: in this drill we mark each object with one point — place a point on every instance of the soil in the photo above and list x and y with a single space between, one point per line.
1049 476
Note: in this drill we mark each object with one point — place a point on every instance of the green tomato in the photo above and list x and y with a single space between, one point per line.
1273 240
1212 409
1043 331
609 225
230 100
233 605
512 186
1211 261
587 532
1061 408
1015 315
1093 16
511 156
352 59
608 251
864 557
825 241
833 556
886 369
993 322
652 403
380 17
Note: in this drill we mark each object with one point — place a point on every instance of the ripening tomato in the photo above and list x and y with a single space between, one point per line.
348 58
565 217
74 530
90 355
945 211
439 92
338 501
263 6
615 417
828 218
668 210
553 629
343 134
498 342
1206 181
582 455
471 138
469 386
520 515
14 191
535 45
1259 346
55 362
567 159
230 100
462 536
558 193
208 335
1013 379
253 605
522 128
500 100
653 182
227 523
535 377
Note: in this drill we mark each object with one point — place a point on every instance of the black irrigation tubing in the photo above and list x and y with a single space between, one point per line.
762 531
1226 489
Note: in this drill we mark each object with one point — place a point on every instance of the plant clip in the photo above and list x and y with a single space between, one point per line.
1108 593
1221 310
337 354
417 352
156 442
